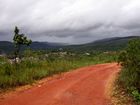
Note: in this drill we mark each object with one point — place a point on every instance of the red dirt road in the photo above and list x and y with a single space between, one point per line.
84 86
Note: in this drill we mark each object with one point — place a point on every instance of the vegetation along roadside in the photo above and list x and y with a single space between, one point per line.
127 86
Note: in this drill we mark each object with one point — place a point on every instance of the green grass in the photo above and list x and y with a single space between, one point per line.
30 70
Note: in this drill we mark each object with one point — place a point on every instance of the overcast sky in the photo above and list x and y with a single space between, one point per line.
69 21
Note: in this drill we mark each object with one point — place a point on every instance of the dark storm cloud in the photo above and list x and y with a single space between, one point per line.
72 21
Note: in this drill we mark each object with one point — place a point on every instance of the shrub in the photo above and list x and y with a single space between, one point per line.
130 61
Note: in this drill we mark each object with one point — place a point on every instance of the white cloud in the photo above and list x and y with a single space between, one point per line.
66 19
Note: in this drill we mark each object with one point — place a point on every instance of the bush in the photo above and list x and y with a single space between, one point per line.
130 61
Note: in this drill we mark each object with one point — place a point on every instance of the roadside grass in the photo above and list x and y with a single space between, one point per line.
127 80
30 70
120 96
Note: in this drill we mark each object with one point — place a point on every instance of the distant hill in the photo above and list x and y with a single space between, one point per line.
116 43
8 47
108 44
45 45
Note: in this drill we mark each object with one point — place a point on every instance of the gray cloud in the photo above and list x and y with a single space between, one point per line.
72 21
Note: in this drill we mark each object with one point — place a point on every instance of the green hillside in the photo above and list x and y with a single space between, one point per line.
109 44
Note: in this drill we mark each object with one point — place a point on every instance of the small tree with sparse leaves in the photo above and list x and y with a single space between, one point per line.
19 40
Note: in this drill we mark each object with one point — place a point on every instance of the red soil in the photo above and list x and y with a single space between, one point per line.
84 86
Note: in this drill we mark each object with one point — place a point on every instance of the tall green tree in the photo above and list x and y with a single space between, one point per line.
19 40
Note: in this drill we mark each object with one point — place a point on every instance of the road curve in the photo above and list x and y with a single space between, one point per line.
84 86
